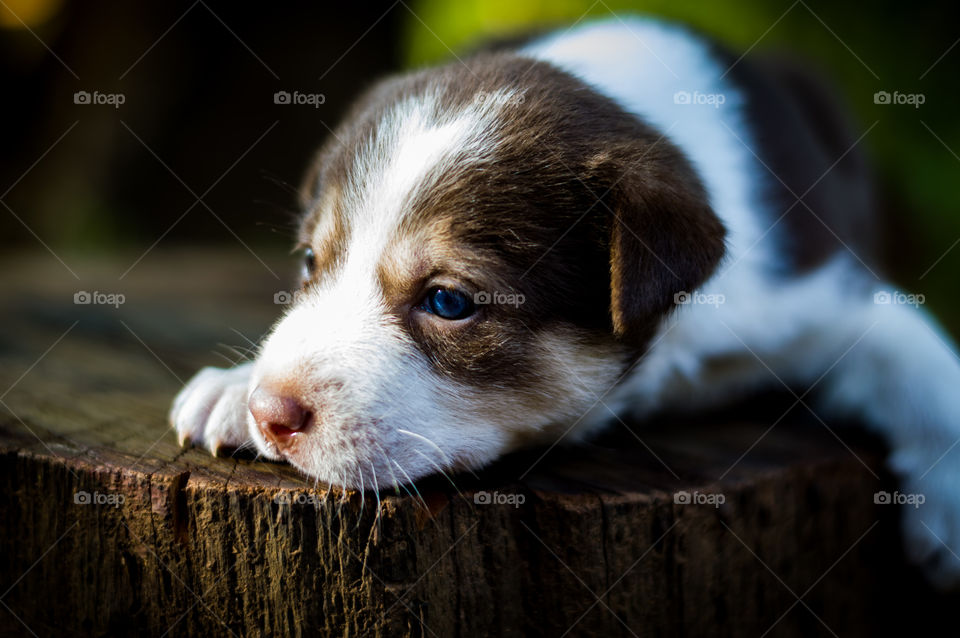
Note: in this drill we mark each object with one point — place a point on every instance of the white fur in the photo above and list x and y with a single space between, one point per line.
417 139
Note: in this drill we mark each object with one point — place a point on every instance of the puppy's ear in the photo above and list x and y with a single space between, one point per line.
664 237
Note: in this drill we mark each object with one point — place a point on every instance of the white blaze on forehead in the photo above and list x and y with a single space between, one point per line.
415 142
421 148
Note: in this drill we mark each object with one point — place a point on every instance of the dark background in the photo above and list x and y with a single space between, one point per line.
198 81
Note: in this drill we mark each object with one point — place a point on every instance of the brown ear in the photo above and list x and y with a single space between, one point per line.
664 238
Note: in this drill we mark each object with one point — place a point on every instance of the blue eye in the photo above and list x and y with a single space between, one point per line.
309 261
448 303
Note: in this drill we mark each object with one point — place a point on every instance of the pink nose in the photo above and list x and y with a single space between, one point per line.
280 418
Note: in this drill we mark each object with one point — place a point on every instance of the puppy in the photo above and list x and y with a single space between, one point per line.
610 221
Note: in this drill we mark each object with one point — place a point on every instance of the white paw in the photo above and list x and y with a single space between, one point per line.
931 523
211 410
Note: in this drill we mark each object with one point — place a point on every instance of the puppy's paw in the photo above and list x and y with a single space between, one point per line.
211 410
930 501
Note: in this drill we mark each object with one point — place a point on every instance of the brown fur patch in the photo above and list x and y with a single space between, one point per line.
808 147
325 231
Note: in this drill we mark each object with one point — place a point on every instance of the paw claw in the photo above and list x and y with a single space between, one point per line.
211 410
220 449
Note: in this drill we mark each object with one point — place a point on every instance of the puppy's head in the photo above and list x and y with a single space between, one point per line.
488 246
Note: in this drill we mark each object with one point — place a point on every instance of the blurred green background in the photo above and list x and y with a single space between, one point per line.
199 80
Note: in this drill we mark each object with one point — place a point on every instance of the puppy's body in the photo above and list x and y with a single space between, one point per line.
680 230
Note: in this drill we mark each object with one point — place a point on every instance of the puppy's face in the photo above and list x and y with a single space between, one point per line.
486 249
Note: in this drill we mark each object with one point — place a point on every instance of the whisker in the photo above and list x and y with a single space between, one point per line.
343 492
326 494
445 475
383 454
362 497
446 459
404 487
376 492
400 485
413 485
225 358
236 350
279 181
247 339
443 455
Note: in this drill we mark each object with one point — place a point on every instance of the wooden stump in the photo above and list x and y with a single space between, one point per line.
108 527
